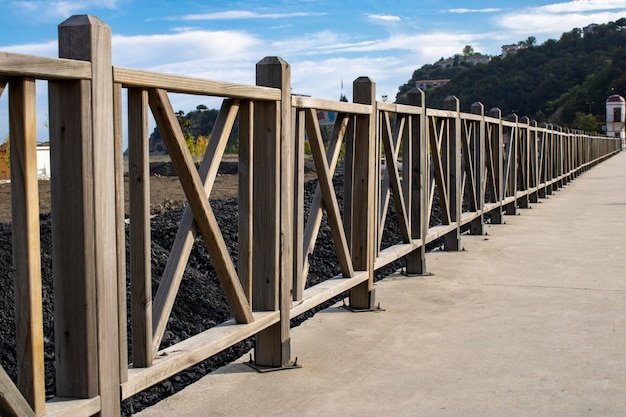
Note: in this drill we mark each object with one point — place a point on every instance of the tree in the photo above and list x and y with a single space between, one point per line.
585 122
468 51
185 125
201 107
530 42
200 147
6 146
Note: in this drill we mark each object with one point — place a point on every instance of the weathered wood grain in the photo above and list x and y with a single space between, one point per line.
300 102
72 407
18 65
139 206
12 403
187 229
314 220
87 38
120 231
272 221
417 178
26 246
328 194
188 85
363 216
199 202
197 348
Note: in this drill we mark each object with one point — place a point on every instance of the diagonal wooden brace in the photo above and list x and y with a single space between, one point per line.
199 203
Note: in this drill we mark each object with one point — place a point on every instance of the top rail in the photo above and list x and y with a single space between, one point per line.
189 85
18 65
300 102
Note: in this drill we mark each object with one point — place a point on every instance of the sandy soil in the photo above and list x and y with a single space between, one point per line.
165 193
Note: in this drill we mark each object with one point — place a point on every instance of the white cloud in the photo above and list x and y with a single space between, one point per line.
186 52
47 49
242 14
384 17
537 21
60 9
463 11
581 6
322 78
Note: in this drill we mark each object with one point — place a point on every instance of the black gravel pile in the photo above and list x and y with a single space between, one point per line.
200 303
166 168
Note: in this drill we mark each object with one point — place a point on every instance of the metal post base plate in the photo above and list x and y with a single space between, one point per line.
264 369
373 309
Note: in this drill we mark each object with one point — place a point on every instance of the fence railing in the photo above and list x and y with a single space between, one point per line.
442 171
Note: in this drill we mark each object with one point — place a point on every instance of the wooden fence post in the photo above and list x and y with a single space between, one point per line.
496 147
543 155
477 226
416 260
452 240
558 162
534 179
511 166
120 232
363 216
26 243
139 206
272 223
567 166
524 159
83 220
550 154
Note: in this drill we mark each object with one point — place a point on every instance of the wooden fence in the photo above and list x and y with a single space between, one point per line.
433 158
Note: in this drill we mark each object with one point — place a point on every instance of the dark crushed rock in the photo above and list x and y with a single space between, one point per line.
166 168
200 303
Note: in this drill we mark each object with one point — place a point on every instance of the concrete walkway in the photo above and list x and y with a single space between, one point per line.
529 320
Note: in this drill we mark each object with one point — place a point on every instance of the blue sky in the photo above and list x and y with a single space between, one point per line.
325 42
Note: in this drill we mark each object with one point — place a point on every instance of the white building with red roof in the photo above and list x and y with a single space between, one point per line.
615 113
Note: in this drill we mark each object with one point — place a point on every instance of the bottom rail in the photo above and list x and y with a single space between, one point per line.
326 290
70 407
396 252
197 348
436 232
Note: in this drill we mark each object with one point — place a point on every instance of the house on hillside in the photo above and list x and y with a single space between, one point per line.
426 84
476 59
512 49
445 63
473 59
588 30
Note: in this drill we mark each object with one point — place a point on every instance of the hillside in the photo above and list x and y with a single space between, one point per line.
196 123
555 81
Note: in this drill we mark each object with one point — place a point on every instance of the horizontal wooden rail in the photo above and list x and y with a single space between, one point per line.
70 407
445 114
399 108
197 348
300 102
188 85
18 65
326 290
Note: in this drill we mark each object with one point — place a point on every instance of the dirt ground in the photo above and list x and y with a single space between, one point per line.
165 193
